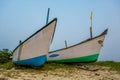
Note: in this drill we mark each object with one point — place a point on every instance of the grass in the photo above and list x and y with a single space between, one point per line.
12 71
113 65
45 67
53 66
7 65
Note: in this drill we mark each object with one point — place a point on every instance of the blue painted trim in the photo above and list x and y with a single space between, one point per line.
36 61
54 55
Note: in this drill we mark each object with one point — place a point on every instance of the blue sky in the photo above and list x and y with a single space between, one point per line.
21 18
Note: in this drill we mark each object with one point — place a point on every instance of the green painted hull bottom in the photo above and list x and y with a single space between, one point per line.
90 58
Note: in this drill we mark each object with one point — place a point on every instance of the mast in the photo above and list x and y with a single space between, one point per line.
91 26
65 43
47 15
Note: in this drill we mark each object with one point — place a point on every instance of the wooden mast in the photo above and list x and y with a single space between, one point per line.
91 26
66 44
47 19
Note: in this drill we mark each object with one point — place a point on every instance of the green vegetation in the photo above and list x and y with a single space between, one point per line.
11 70
113 65
8 65
52 66
45 67
5 56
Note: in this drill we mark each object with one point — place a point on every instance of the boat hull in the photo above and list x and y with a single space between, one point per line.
33 50
86 51
36 61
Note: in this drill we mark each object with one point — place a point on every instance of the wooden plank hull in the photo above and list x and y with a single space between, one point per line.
86 51
33 50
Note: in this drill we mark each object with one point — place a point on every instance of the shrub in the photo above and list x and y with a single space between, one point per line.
5 56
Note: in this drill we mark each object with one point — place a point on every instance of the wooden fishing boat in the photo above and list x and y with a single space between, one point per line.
33 50
86 51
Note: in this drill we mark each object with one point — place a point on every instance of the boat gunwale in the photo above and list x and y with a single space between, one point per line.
55 19
89 39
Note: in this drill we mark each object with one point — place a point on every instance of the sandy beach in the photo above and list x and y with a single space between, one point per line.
75 73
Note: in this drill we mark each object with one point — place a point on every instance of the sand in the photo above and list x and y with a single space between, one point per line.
76 73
